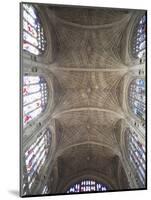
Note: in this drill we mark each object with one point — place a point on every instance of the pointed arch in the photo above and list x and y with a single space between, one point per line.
34 40
139 39
87 185
35 97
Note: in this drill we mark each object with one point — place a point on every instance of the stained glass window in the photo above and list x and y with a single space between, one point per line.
137 98
139 43
136 153
35 97
87 186
33 33
36 155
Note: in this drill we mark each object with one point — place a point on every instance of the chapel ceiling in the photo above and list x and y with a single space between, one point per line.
88 72
88 38
95 161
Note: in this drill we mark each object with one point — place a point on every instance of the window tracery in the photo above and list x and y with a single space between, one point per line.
33 34
139 43
35 97
136 98
87 185
36 154
136 153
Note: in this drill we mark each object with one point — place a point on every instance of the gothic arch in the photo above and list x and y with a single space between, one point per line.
135 155
34 42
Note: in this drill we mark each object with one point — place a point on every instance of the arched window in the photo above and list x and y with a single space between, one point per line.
139 43
33 33
136 153
87 185
136 98
36 155
35 96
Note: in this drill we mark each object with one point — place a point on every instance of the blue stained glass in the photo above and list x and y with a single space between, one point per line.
87 186
136 98
139 42
136 152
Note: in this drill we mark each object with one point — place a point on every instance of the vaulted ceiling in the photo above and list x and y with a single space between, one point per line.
88 106
88 72
88 38
90 160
